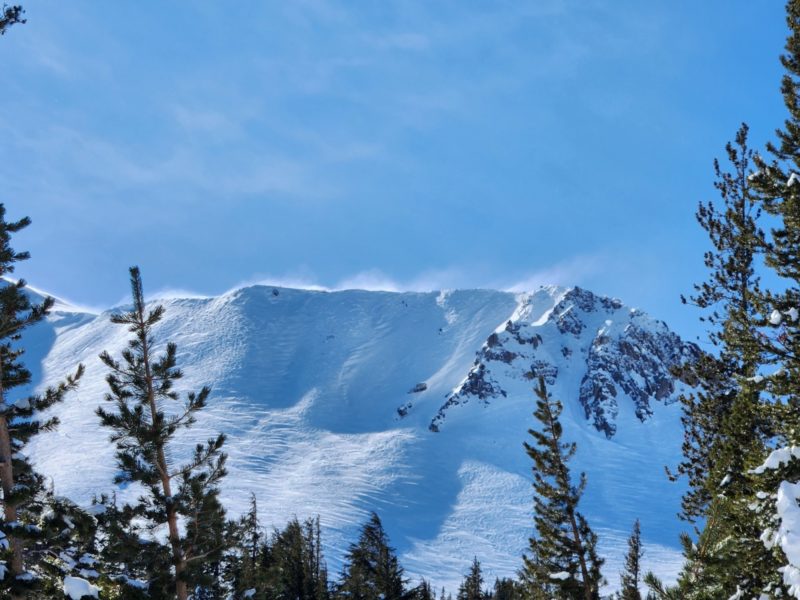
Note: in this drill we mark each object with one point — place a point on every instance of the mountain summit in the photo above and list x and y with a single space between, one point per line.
617 353
415 405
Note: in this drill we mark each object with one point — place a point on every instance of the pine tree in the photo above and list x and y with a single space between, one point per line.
778 182
424 591
29 528
631 577
244 564
659 591
296 569
10 15
507 589
208 535
134 567
733 301
471 587
317 587
725 421
141 389
71 548
371 570
563 560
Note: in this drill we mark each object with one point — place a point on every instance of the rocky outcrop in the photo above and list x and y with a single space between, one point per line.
617 354
640 363
479 385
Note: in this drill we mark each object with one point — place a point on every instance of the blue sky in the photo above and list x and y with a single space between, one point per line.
408 145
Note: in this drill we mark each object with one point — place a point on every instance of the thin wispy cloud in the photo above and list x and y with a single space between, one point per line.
380 141
401 40
208 121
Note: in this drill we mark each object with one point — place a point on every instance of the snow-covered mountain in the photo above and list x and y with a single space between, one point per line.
415 405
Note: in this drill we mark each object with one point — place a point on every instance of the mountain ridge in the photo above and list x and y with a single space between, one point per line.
311 387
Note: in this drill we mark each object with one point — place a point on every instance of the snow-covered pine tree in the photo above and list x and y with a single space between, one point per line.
472 586
371 570
725 421
30 528
631 577
132 563
563 560
778 184
141 389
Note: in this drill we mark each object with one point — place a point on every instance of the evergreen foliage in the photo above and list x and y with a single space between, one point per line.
371 570
659 591
777 182
508 589
246 563
289 565
471 587
141 389
135 567
32 526
563 560
296 569
733 302
10 15
424 591
726 423
632 575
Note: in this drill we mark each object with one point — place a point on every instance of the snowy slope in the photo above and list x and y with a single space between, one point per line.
415 405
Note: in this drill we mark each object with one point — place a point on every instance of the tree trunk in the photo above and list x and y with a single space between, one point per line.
576 536
7 482
7 478
178 559
588 592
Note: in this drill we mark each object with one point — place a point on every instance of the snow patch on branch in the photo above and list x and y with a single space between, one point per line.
777 458
76 588
787 512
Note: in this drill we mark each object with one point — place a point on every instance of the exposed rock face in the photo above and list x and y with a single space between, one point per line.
618 354
638 362
479 385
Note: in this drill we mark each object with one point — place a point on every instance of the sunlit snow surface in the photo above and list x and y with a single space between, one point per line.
306 384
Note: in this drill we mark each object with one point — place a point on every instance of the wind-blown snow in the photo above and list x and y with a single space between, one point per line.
307 386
